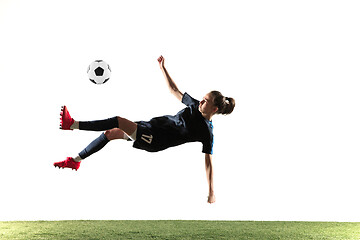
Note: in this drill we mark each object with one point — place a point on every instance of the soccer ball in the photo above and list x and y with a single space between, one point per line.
99 72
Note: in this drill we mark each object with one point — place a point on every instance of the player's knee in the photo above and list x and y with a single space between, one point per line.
109 135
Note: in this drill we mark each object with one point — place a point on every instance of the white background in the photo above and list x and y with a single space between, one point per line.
289 151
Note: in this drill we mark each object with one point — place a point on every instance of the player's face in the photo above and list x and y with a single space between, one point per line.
207 105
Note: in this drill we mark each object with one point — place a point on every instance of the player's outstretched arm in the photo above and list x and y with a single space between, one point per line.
171 84
209 176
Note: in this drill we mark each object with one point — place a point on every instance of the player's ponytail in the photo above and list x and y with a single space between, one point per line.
225 105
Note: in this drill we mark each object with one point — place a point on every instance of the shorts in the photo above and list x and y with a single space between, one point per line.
146 138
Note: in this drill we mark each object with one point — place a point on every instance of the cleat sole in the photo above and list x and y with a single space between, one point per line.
66 119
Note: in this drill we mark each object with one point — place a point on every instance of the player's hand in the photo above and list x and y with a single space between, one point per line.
211 198
161 61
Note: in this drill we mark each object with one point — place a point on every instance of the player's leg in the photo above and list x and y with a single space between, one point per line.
93 147
120 128
129 127
68 123
101 141
106 124
115 133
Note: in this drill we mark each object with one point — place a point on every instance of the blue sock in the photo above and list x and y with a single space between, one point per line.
94 146
99 125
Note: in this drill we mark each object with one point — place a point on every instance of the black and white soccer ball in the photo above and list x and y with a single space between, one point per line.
99 72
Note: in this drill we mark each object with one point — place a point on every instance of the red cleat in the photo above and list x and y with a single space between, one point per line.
65 120
68 163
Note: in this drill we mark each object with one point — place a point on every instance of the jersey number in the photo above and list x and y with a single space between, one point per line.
147 138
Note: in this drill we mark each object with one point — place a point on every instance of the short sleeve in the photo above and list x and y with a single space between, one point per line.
208 146
188 100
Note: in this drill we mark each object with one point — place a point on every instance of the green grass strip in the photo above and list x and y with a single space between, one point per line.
178 230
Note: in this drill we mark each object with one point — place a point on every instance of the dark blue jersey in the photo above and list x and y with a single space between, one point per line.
188 125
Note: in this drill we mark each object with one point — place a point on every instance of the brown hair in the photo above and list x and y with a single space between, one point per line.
225 105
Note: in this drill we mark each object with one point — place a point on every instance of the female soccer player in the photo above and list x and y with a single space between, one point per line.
192 124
